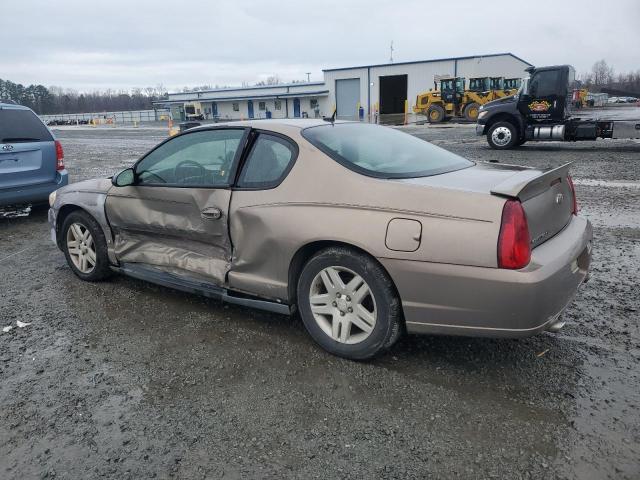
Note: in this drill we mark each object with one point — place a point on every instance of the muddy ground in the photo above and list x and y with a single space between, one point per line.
124 379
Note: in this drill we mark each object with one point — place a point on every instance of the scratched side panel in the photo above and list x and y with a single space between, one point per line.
163 227
322 200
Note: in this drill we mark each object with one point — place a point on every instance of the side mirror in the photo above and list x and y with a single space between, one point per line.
124 178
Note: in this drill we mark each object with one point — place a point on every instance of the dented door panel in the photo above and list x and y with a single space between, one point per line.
184 229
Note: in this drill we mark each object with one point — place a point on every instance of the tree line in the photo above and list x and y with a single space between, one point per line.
603 76
55 100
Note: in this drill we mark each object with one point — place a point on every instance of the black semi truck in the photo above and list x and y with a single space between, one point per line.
541 110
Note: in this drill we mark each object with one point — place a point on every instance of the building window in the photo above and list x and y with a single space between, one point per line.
236 107
314 103
262 106
278 105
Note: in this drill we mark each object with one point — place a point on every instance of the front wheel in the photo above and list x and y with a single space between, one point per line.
502 136
435 114
471 111
85 247
349 304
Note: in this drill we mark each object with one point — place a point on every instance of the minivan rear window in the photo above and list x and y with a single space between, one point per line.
382 152
22 126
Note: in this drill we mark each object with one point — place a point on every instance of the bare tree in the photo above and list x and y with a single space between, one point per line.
602 73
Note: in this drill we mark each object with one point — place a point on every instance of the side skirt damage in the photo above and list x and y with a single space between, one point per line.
198 287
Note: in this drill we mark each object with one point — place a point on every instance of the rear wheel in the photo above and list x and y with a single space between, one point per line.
435 114
349 304
471 111
85 247
502 136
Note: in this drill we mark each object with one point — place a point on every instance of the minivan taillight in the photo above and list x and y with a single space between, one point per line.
514 242
59 156
573 192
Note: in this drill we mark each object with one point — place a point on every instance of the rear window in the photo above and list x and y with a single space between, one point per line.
22 126
382 152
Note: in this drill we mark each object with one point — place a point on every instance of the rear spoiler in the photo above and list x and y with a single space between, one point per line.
527 184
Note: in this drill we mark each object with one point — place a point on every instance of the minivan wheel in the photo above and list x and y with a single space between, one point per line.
85 247
349 304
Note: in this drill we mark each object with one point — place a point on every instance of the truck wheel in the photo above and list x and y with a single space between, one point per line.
502 136
348 304
471 111
435 114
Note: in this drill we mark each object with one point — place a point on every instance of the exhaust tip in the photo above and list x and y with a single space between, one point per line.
556 327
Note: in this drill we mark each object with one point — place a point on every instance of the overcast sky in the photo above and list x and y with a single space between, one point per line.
90 45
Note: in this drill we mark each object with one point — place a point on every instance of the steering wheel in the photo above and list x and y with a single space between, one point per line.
189 165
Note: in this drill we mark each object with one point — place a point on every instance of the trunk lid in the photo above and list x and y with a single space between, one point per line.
546 196
547 199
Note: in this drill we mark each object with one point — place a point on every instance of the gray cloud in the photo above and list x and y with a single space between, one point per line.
124 44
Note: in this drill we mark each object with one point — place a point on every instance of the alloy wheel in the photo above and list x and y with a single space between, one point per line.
343 305
81 247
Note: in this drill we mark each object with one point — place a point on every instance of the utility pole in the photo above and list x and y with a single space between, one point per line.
391 52
308 77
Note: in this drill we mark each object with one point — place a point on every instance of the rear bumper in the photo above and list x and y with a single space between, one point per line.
475 301
33 194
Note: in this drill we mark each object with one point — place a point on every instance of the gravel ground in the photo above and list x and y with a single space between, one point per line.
124 379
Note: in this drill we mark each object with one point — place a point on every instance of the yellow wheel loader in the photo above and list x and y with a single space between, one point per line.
443 102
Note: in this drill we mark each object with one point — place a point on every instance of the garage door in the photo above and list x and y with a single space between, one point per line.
347 98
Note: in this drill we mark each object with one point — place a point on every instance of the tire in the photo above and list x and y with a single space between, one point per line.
502 136
471 111
373 303
435 114
95 245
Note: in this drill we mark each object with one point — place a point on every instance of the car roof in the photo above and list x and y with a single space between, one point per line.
14 106
272 124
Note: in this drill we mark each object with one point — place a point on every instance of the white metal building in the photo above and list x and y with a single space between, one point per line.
363 90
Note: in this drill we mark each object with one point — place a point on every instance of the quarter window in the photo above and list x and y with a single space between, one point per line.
201 158
268 163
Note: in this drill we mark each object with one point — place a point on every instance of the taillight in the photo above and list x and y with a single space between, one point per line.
59 156
514 242
573 192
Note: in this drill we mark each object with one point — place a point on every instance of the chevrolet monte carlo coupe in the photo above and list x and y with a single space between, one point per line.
365 230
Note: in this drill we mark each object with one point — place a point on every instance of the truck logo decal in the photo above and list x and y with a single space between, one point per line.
7 147
539 106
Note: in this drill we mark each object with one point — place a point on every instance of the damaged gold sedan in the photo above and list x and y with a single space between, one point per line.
366 231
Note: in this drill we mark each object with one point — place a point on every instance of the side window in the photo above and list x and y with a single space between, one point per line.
544 83
201 158
268 162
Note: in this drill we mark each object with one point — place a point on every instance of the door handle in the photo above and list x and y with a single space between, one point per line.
211 213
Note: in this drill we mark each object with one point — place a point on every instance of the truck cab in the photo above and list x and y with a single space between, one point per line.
542 110
544 99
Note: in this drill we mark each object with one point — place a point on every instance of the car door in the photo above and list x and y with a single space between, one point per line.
175 216
545 99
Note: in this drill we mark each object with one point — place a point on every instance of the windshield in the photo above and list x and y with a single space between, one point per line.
19 125
382 151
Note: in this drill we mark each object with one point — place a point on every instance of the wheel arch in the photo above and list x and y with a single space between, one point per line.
63 213
305 252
